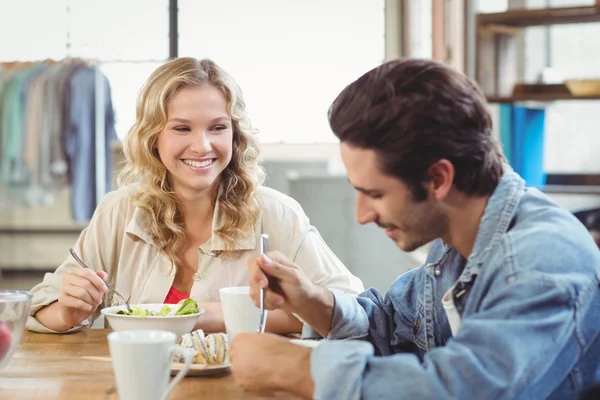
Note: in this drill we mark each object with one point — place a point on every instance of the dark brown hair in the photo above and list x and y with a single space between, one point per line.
414 113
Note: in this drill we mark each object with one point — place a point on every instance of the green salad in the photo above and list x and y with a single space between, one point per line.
189 306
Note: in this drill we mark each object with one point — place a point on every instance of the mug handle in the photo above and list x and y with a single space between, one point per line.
187 355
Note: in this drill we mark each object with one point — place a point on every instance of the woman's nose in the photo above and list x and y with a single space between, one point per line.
201 143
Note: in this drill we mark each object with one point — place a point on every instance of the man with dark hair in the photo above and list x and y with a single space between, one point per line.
507 303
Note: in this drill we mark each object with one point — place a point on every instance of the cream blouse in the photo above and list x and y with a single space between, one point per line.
116 241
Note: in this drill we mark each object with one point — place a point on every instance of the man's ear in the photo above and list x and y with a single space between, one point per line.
440 178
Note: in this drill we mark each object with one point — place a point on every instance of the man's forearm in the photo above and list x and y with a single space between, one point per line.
318 312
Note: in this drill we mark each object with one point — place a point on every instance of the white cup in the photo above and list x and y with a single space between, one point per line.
142 363
239 313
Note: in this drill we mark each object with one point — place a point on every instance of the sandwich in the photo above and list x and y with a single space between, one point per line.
211 349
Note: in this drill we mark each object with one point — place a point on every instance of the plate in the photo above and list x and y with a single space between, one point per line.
195 369
200 369
306 342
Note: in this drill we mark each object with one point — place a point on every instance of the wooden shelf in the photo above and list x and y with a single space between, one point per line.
41 231
543 98
542 16
496 69
571 189
571 179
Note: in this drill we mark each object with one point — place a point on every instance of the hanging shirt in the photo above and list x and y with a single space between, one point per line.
81 140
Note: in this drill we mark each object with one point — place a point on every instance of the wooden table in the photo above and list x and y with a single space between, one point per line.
48 366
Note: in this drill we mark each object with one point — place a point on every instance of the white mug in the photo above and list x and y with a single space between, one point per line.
239 312
142 363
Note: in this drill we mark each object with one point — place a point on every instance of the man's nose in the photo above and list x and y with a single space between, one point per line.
364 214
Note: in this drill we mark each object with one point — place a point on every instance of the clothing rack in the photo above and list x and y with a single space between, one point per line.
19 229
101 147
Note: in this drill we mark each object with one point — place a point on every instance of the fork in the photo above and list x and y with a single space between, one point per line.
80 261
264 238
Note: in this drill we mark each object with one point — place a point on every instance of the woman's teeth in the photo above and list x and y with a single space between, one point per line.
199 164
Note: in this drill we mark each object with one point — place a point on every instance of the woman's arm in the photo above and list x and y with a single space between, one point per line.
53 312
278 321
323 267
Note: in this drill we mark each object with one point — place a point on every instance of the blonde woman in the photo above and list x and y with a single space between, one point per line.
188 213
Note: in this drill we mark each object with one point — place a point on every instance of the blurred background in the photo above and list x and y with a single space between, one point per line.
536 60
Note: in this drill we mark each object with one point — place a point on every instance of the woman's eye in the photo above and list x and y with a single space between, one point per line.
219 128
182 129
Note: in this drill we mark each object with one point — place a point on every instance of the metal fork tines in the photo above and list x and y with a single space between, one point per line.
83 264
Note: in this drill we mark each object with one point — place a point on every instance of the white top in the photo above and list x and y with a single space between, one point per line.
451 311
117 242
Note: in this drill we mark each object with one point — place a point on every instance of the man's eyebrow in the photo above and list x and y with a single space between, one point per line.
361 189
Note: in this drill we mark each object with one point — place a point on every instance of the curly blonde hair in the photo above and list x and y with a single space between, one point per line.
236 185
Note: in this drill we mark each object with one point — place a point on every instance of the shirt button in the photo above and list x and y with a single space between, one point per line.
198 275
437 272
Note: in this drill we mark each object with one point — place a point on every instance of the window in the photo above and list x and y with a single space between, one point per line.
563 52
421 29
126 79
572 126
117 29
129 38
492 6
291 58
28 35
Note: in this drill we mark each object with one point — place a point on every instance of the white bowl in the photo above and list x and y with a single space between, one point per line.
178 324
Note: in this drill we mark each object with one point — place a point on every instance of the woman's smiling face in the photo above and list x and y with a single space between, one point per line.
196 144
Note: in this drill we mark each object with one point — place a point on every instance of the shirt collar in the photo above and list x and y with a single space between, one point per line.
499 212
138 226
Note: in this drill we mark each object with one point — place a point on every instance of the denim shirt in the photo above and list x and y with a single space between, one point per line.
529 301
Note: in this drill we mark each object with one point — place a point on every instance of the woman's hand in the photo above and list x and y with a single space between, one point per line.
212 321
80 295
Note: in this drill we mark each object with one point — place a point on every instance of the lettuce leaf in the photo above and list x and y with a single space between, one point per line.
189 306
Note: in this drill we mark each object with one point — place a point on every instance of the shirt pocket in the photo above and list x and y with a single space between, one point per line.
418 329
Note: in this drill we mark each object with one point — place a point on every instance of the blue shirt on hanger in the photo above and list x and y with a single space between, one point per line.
81 140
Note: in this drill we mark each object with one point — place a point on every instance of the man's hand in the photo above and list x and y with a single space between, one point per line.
291 288
264 363
288 288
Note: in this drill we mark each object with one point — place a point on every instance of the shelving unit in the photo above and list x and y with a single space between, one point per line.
541 17
496 67
496 63
542 98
